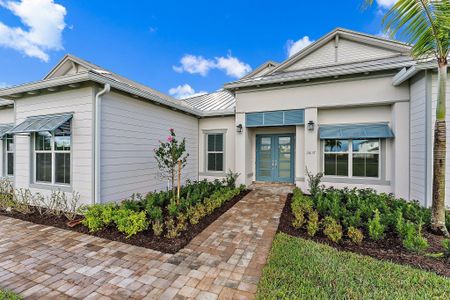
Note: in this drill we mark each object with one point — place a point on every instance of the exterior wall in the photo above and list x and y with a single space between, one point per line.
418 139
211 125
6 117
345 52
370 100
369 91
80 103
130 130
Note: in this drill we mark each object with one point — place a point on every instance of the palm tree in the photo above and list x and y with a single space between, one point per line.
425 24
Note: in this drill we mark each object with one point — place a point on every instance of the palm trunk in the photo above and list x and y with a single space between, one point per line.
439 155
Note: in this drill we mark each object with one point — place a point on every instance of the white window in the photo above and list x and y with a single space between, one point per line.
215 152
52 155
352 158
9 155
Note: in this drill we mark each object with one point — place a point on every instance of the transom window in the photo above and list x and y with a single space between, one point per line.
215 152
9 155
352 158
52 155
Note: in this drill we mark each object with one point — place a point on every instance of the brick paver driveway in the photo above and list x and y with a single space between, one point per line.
223 262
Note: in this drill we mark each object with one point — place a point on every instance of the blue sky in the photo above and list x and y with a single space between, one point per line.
167 44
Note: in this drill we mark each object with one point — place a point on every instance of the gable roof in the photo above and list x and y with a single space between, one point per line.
262 69
349 35
75 62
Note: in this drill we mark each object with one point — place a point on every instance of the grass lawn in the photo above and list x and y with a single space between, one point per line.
4 295
302 269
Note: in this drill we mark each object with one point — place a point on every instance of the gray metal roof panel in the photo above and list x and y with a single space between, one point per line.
41 123
216 101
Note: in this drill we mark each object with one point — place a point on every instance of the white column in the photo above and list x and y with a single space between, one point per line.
311 142
400 127
300 156
243 152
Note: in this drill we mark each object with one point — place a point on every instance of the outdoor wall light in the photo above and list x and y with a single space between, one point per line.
239 128
310 125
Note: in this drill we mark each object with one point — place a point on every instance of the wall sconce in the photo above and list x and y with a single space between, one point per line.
239 128
310 125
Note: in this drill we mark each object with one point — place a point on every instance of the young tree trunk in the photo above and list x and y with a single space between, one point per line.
439 156
173 182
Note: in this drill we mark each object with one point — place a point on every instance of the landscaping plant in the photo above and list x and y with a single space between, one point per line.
168 154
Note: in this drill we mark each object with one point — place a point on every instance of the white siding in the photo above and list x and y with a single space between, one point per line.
130 131
325 55
78 101
6 115
418 135
346 52
349 51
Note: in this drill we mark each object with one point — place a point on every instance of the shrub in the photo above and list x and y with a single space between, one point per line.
313 223
314 183
355 235
446 246
172 229
157 227
375 228
301 205
155 213
413 239
93 217
230 179
130 222
332 229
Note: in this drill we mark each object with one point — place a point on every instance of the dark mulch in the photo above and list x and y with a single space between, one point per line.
143 239
390 248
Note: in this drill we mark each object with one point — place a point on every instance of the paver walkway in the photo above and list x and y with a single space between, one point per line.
223 262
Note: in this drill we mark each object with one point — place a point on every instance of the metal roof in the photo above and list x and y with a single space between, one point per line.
221 100
41 123
328 71
4 128
355 131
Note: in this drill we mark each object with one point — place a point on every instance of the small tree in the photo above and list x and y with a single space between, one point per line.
168 154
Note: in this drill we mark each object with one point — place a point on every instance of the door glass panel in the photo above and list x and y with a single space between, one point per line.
284 157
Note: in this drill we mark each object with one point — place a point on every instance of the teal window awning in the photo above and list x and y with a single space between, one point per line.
41 123
355 131
4 129
275 118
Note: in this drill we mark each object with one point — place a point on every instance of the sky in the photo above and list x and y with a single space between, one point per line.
180 48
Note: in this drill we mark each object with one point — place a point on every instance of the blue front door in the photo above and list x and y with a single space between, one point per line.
275 158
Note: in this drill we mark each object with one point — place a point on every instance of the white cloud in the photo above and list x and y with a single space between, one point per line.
44 22
4 85
194 65
386 3
232 66
294 47
184 91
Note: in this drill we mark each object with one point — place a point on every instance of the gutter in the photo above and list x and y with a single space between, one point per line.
97 144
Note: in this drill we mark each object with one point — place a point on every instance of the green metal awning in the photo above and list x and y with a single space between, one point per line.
41 123
355 131
4 128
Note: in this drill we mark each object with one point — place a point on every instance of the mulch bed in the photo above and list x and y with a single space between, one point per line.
143 239
390 248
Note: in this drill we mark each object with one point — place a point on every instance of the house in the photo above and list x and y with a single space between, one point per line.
354 106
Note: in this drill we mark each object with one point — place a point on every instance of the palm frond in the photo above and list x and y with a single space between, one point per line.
424 24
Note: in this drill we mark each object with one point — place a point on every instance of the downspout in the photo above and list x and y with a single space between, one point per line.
97 144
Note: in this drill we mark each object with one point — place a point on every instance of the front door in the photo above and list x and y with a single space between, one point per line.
275 158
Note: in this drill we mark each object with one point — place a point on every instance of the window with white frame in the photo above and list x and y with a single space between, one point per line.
352 158
52 151
215 152
9 155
